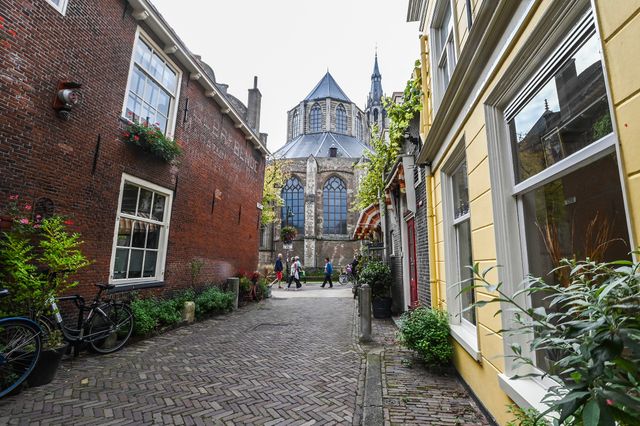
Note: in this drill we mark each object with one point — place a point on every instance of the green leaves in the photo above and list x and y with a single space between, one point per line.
427 332
151 139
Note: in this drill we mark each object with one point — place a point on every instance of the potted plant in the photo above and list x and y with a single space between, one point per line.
378 276
288 233
37 257
150 138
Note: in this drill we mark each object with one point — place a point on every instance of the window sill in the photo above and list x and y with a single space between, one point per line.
467 339
525 392
120 288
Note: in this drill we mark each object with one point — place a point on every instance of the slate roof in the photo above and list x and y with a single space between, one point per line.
318 144
327 88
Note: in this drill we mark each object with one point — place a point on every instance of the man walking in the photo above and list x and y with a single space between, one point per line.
278 267
296 267
328 270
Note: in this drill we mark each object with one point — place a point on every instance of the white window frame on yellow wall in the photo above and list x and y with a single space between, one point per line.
524 82
443 46
462 330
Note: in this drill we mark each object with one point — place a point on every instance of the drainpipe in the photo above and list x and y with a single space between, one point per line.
431 240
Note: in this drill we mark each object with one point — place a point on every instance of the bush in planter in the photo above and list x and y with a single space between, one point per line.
378 276
593 325
151 139
426 331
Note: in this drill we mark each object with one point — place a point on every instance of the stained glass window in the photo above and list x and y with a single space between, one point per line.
334 206
315 120
292 213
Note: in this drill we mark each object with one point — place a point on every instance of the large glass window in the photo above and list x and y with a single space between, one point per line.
334 206
444 48
292 212
566 177
341 119
295 125
462 235
315 118
142 224
153 87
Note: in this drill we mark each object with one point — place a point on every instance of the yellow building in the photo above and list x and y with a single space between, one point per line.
531 136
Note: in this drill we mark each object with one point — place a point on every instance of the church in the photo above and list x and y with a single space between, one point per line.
327 137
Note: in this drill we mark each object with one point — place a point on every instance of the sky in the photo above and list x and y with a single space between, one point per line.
290 44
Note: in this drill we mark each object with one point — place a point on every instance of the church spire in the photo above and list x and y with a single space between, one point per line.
375 111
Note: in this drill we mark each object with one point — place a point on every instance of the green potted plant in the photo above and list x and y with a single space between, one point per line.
37 258
288 234
378 276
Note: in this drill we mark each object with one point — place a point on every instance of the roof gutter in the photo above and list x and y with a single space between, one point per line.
144 11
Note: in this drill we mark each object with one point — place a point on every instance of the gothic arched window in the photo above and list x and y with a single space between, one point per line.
295 124
334 206
341 119
292 213
375 115
359 127
315 119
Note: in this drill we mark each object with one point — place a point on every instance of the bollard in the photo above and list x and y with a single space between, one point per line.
233 285
189 312
365 313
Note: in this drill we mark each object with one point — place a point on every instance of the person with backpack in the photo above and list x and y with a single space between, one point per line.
328 270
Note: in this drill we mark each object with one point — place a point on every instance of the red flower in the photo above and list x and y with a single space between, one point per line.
24 221
126 134
11 33
609 401
27 207
136 138
68 222
13 197
1 26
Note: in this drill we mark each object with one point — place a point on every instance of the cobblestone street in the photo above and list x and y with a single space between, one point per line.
290 360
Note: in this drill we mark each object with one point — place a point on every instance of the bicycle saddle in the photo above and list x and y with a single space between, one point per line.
105 286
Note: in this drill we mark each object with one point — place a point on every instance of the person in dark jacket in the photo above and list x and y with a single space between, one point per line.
278 268
328 270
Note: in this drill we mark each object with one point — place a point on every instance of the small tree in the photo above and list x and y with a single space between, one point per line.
274 178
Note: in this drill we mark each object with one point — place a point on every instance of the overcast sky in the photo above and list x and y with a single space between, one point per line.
290 44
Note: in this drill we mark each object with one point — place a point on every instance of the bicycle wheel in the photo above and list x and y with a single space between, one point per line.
19 351
343 279
110 328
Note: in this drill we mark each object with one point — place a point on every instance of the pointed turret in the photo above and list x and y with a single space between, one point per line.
376 113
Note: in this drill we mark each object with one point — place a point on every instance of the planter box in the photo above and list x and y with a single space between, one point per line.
46 367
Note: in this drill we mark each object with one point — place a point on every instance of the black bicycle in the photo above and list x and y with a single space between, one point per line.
105 324
20 347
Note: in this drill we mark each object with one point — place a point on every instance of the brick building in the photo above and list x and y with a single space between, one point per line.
327 136
143 219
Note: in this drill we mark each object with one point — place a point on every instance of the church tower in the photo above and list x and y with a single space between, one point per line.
376 114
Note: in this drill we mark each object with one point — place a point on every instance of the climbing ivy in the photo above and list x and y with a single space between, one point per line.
274 178
383 153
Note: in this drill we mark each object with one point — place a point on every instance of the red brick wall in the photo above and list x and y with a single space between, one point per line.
44 156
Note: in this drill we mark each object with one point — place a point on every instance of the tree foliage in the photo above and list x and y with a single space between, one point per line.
383 153
274 178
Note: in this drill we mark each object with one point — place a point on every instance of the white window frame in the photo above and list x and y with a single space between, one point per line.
462 330
173 108
507 197
164 235
61 7
442 53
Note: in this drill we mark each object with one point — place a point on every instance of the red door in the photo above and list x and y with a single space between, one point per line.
413 272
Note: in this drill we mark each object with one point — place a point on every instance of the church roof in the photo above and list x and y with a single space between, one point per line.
327 88
318 144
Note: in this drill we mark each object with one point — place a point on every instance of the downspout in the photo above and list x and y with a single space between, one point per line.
431 240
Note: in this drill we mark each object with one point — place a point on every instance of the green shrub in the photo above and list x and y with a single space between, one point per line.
212 300
528 417
426 331
144 319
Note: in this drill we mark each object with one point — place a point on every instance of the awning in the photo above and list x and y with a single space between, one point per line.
368 222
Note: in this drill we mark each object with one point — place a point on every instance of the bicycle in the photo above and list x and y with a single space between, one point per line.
20 346
346 277
105 325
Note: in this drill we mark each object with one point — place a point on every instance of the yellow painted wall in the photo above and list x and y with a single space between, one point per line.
620 34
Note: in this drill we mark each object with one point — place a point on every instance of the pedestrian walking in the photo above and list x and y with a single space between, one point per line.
253 293
296 267
278 268
328 270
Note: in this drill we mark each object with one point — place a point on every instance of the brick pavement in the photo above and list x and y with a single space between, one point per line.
415 395
290 360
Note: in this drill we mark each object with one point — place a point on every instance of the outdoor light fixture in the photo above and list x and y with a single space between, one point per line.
67 96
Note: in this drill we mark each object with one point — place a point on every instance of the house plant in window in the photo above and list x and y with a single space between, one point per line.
288 234
378 276
37 258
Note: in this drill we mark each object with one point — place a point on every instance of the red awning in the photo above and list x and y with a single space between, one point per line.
368 222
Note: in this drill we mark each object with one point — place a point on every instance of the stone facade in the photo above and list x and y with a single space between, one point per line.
78 164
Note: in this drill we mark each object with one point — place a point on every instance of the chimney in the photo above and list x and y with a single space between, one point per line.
253 106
